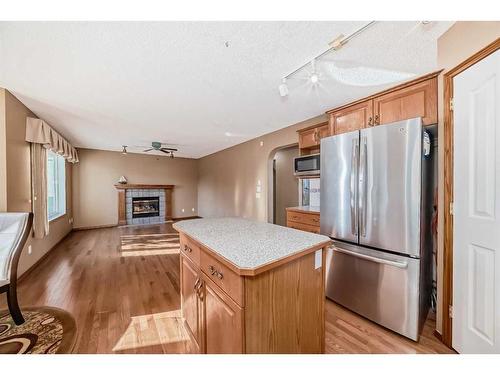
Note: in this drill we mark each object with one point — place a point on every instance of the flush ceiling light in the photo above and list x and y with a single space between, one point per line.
124 150
283 88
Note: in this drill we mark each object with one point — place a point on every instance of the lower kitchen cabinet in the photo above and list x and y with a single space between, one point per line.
190 300
223 322
308 220
213 319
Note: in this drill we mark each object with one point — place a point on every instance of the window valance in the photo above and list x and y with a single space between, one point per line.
38 131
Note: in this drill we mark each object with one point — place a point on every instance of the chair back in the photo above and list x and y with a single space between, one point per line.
14 230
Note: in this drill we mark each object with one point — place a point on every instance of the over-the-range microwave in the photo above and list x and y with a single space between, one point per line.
306 165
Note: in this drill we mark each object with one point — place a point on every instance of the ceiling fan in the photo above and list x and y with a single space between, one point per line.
157 146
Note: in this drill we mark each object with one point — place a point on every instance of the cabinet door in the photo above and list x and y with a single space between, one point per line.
190 303
355 117
308 138
419 100
323 132
223 321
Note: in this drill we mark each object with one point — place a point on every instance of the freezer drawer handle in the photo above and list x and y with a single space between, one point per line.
373 259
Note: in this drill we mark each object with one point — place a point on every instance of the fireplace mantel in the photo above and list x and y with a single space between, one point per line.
141 186
121 188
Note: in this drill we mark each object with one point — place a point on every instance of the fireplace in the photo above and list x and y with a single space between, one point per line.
145 207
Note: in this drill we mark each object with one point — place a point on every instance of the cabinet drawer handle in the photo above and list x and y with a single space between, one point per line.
187 248
212 270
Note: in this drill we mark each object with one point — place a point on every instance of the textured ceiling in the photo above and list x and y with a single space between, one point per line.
104 84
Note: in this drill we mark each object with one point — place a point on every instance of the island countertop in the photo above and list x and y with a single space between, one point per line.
248 244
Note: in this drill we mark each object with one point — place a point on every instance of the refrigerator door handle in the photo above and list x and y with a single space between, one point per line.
372 259
362 186
354 186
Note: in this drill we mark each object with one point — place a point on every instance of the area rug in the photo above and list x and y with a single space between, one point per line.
47 330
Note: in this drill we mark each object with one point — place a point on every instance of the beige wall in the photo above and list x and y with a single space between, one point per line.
96 199
287 192
228 179
18 180
462 40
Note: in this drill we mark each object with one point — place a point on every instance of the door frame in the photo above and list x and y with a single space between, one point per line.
448 184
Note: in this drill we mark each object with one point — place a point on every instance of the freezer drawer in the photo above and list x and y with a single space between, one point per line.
379 286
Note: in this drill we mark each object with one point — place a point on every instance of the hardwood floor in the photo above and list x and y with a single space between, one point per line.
122 287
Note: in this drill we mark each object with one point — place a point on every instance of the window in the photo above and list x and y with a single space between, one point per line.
310 191
56 185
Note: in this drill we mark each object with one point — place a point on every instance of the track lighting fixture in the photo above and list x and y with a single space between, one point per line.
335 45
124 150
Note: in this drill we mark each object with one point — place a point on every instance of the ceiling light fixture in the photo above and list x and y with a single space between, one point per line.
283 88
124 150
335 45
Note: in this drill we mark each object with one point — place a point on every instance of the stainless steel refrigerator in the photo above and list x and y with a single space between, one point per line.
377 188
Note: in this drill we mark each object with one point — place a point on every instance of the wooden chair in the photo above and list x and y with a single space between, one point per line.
15 228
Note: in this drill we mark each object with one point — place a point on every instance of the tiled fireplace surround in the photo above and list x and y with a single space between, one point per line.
128 191
141 193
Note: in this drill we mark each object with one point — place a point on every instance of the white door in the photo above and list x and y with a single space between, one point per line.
476 232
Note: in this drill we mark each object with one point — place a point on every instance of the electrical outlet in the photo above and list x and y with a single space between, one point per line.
30 250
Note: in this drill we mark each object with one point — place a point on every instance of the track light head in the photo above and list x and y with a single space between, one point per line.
283 88
314 78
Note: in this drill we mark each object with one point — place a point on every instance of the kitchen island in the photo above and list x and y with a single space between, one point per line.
252 287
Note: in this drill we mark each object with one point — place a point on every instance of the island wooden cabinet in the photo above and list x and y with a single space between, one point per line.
224 321
191 301
278 308
416 98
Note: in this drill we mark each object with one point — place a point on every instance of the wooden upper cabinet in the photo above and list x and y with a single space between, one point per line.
355 117
223 321
307 138
419 100
190 302
311 137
